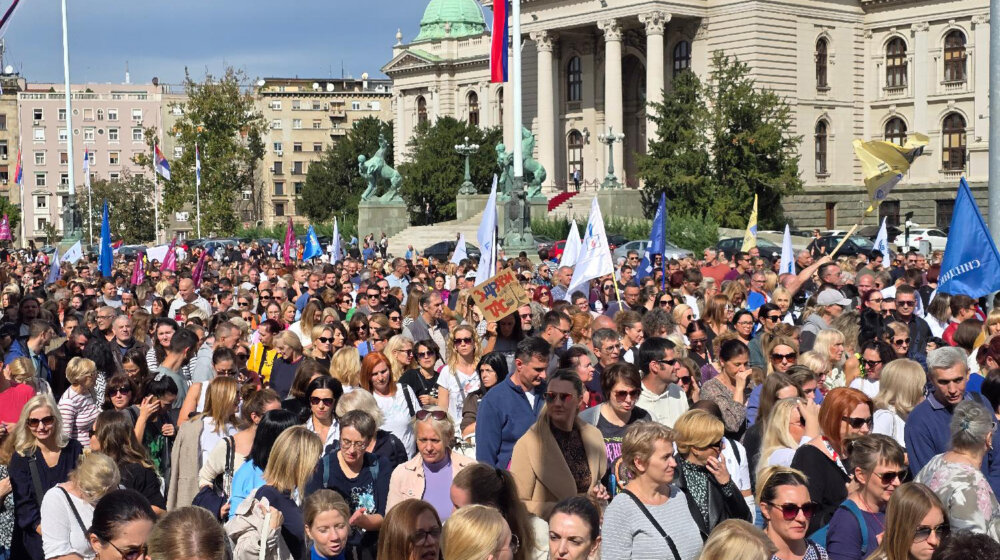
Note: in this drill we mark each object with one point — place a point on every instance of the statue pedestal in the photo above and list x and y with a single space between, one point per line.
378 217
621 203
538 209
468 205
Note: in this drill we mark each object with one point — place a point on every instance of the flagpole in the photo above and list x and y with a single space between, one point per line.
156 193
516 81
197 189
67 228
993 208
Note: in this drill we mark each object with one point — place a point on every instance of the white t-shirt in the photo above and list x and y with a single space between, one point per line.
459 385
397 416
866 386
61 532
887 422
210 438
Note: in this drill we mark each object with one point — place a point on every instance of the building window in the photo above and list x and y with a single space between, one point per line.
355 105
279 209
112 114
682 57
63 135
38 114
574 80
821 132
38 133
944 210
574 152
39 158
895 131
821 64
88 114
298 188
954 57
953 143
375 105
114 177
278 168
315 105
277 147
114 158
64 179
421 110
297 124
895 63
317 147
279 188
136 114
3 121
317 124
500 104
61 114
112 134
178 151
473 101
92 156
41 202
88 134
63 158
40 180
100 114
296 168
137 135
831 215
297 147
276 124
889 210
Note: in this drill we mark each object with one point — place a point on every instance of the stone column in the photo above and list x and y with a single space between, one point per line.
921 72
435 105
546 104
400 131
655 23
614 116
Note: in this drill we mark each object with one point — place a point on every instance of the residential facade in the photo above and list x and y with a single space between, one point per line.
304 117
873 69
9 139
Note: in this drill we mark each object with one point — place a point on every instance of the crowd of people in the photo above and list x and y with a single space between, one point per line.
713 409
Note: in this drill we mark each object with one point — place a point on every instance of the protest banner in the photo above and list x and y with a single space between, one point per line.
500 296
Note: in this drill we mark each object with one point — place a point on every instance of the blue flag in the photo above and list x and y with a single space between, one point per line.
312 248
971 263
657 242
54 271
107 254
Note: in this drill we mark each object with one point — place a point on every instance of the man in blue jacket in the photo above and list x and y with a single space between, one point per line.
510 408
40 333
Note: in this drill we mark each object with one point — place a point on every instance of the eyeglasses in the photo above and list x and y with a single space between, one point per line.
790 511
394 317
346 301
790 357
905 303
888 477
459 341
47 420
923 532
372 296
435 414
524 315
408 351
328 401
856 423
622 395
871 363
244 304
130 553
901 341
689 317
666 302
667 362
123 391
684 379
713 445
421 536
773 318
265 296
745 323
231 372
361 328
563 397
697 341
325 339
426 354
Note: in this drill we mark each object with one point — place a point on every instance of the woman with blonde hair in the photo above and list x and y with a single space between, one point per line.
830 345
311 316
38 439
326 515
79 406
67 510
916 522
478 532
289 468
715 316
22 370
819 365
286 363
411 531
792 423
399 351
286 315
345 366
321 348
459 377
191 533
783 299
901 389
786 509
735 539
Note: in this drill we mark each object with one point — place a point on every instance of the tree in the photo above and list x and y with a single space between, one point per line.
13 213
677 161
221 118
129 208
753 150
333 184
434 172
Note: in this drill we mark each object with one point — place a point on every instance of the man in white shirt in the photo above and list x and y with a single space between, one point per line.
186 295
661 396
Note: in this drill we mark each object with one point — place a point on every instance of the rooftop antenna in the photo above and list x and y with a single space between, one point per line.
127 78
342 69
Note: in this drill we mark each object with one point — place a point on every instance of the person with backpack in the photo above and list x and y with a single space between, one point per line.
786 508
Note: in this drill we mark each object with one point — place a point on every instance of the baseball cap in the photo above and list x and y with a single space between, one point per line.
471 275
832 297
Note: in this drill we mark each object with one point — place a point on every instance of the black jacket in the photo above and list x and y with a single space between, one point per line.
720 506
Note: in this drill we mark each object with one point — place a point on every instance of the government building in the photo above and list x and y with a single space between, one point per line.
872 69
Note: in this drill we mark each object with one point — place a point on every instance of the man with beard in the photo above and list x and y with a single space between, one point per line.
72 347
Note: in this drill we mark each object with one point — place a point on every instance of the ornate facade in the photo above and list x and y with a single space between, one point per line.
849 69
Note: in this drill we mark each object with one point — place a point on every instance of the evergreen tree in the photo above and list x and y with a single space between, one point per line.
128 201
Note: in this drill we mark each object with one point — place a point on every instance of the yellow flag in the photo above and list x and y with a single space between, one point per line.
884 163
750 237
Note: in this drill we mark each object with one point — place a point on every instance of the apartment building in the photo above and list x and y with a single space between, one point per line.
304 117
11 84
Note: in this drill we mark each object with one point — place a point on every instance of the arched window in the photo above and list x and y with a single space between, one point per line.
421 110
574 152
895 131
953 143
821 148
473 101
821 63
895 63
574 80
954 57
682 57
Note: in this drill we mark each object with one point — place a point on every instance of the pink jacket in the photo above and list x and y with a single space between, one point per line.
408 479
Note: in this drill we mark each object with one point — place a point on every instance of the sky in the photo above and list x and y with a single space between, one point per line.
304 38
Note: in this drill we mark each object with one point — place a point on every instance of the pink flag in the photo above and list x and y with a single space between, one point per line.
289 248
199 269
139 270
170 259
5 229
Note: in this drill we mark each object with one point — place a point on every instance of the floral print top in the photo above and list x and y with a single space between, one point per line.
965 492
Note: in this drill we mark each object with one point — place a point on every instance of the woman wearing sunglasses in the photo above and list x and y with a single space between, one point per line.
875 356
845 414
878 468
459 377
545 477
424 377
916 524
621 385
121 525
786 508
321 349
322 393
120 396
429 474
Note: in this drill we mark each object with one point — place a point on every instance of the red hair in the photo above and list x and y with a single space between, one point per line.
368 366
539 291
838 403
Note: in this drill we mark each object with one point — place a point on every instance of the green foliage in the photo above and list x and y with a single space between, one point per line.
434 172
718 145
348 226
687 231
333 184
221 118
13 214
130 212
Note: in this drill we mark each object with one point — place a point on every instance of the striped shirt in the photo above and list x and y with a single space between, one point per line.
78 413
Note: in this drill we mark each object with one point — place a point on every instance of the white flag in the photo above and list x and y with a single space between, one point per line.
334 247
74 253
460 250
485 236
86 167
882 244
571 251
594 259
787 253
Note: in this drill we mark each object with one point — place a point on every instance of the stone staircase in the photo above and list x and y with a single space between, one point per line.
578 206
422 237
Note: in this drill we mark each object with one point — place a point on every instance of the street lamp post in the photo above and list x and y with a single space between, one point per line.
467 150
609 140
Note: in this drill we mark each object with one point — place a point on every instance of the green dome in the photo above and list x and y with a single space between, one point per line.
464 16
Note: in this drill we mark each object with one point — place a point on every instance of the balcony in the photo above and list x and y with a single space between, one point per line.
336 133
959 86
338 114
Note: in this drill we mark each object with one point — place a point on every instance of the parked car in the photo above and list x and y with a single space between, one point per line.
615 240
130 252
672 251
937 238
556 252
854 245
732 245
442 250
891 233
544 242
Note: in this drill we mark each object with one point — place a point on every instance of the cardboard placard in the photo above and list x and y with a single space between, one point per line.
500 296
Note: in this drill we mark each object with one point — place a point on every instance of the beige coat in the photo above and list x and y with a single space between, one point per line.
408 478
185 463
245 528
542 475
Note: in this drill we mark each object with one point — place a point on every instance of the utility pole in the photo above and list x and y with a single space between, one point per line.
994 161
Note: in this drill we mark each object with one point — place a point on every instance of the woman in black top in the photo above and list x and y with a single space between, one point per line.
423 378
492 369
113 436
287 363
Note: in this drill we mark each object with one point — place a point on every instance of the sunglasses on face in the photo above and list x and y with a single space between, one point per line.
773 318
47 420
666 302
790 357
524 315
666 362
459 341
923 532
871 363
902 303
325 339
901 341
227 372
394 317
361 328
244 304
345 301
790 511
408 351
562 397
888 477
857 423
713 445
123 391
435 414
684 379
622 395
328 401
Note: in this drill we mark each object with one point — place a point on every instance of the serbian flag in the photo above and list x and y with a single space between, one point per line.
18 175
160 163
499 42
